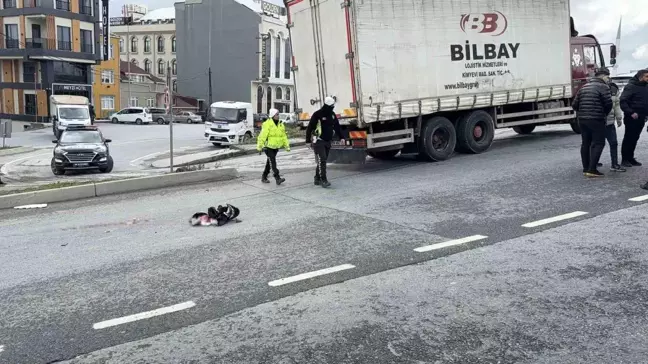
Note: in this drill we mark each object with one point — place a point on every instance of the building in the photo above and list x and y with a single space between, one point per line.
106 85
148 41
138 87
241 71
48 47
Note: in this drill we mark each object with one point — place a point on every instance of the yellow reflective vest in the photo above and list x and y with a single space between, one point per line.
273 136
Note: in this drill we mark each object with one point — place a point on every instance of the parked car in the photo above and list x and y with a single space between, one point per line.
137 115
81 148
287 118
159 115
259 119
187 117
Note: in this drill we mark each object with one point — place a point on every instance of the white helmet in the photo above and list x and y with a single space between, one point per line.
272 113
329 101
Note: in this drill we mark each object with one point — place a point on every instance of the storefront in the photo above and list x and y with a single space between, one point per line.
72 89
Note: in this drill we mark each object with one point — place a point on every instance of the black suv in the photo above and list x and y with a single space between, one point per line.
81 148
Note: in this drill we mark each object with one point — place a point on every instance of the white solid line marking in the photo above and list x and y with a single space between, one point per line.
2 347
550 220
639 198
143 315
301 277
446 244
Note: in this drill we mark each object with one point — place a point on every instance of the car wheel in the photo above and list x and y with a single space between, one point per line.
160 121
189 121
58 171
109 166
114 121
138 121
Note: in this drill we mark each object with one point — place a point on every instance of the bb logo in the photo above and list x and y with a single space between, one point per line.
493 24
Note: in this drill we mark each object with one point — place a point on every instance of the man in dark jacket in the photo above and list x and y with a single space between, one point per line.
93 115
634 103
321 128
592 104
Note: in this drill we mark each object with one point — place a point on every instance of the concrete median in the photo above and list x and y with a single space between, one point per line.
98 189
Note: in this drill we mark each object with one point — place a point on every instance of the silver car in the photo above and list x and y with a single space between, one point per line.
187 117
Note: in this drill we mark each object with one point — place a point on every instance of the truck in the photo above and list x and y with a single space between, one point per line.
68 110
229 123
436 77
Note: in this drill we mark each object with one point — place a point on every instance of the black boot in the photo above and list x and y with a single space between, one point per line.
326 184
264 179
280 180
317 181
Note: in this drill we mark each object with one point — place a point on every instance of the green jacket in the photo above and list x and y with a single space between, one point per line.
273 136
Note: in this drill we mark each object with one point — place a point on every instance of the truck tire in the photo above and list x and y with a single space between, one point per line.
384 155
524 129
575 127
475 132
438 139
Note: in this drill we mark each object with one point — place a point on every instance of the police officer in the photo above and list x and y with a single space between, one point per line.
272 138
321 128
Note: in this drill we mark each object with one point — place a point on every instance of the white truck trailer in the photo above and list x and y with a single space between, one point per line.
431 77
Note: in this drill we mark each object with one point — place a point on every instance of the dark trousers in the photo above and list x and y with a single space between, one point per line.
593 134
321 149
633 129
271 163
611 136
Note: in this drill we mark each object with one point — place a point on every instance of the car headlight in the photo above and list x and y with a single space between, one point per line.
100 150
58 150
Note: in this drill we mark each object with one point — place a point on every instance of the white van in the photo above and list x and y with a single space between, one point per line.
229 123
137 115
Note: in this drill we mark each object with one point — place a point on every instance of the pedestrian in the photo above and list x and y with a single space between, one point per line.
323 125
592 104
272 138
634 103
93 115
614 119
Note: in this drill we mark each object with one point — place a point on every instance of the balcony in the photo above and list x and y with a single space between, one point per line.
86 48
63 5
64 45
33 3
12 43
8 4
85 9
36 43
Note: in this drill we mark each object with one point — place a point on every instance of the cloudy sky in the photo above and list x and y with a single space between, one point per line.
598 17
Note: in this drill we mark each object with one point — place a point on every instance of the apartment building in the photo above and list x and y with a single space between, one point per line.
106 85
48 47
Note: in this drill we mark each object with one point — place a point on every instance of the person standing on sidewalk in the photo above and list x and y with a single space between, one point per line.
614 119
592 104
323 125
272 138
634 103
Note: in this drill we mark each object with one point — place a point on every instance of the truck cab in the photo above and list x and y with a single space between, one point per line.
69 111
229 123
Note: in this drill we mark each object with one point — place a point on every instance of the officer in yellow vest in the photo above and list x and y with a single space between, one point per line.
272 138
323 125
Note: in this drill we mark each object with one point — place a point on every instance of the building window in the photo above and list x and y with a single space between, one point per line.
150 102
133 45
63 5
269 99
12 39
8 4
108 77
161 67
85 7
278 93
86 41
268 55
134 102
29 71
174 67
107 102
287 60
287 98
160 44
147 44
68 72
64 39
175 86
134 61
259 105
30 104
112 52
173 44
32 3
121 45
278 57
147 65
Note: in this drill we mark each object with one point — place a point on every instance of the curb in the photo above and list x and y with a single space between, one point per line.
17 150
98 189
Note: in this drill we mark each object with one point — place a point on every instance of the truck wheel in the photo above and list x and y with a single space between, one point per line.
109 166
246 138
438 139
56 170
524 129
384 155
475 132
575 127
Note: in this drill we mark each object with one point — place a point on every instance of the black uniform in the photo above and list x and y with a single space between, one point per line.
323 125
634 100
592 104
93 115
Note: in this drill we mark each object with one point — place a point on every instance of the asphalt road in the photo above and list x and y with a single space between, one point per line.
132 144
505 286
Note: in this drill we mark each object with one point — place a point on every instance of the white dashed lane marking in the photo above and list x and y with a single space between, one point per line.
639 198
143 315
303 276
446 244
551 220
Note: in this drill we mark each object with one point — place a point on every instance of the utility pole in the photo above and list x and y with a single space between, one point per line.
170 111
210 87
36 92
209 58
128 45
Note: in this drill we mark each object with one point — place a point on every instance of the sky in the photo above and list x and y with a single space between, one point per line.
598 17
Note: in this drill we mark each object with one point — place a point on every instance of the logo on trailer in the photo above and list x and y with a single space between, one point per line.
493 24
